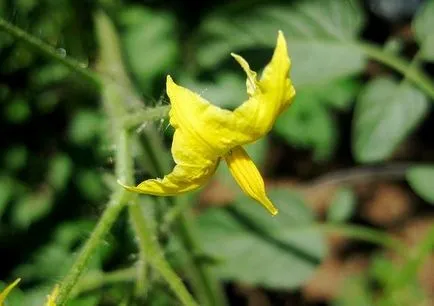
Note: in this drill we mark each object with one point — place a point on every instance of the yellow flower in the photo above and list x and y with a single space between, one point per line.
7 290
205 134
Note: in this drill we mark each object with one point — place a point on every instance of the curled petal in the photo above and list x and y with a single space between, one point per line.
193 169
273 93
248 177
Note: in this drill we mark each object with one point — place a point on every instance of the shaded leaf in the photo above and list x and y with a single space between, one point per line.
421 180
342 205
253 247
308 124
423 25
32 207
150 44
321 36
386 112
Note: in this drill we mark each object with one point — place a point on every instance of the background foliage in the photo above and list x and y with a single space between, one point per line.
352 158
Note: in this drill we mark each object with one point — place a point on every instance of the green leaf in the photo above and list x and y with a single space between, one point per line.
17 111
423 25
150 43
255 248
321 36
421 180
6 192
32 207
91 185
386 112
15 157
342 205
59 171
85 127
308 124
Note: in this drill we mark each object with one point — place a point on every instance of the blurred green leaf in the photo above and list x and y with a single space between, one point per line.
91 185
59 171
308 124
91 300
17 110
85 127
47 100
6 192
355 292
54 259
276 252
32 207
15 157
423 25
321 36
342 205
21 58
386 112
48 75
228 90
421 180
339 93
150 44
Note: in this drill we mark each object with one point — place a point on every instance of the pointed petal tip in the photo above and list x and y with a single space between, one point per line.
269 206
129 188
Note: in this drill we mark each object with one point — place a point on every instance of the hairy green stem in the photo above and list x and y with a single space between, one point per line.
416 76
146 115
97 279
105 222
205 285
149 242
51 52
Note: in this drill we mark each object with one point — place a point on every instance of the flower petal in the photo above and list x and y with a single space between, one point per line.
248 177
7 290
272 95
193 169
207 126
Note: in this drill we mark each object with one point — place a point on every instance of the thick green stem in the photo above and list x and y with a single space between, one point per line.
51 52
106 221
148 242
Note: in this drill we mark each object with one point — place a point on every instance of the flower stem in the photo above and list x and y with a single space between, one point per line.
51 52
107 219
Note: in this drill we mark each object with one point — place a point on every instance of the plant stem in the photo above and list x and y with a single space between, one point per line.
148 242
146 115
105 222
51 52
206 287
416 76
97 279
365 234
